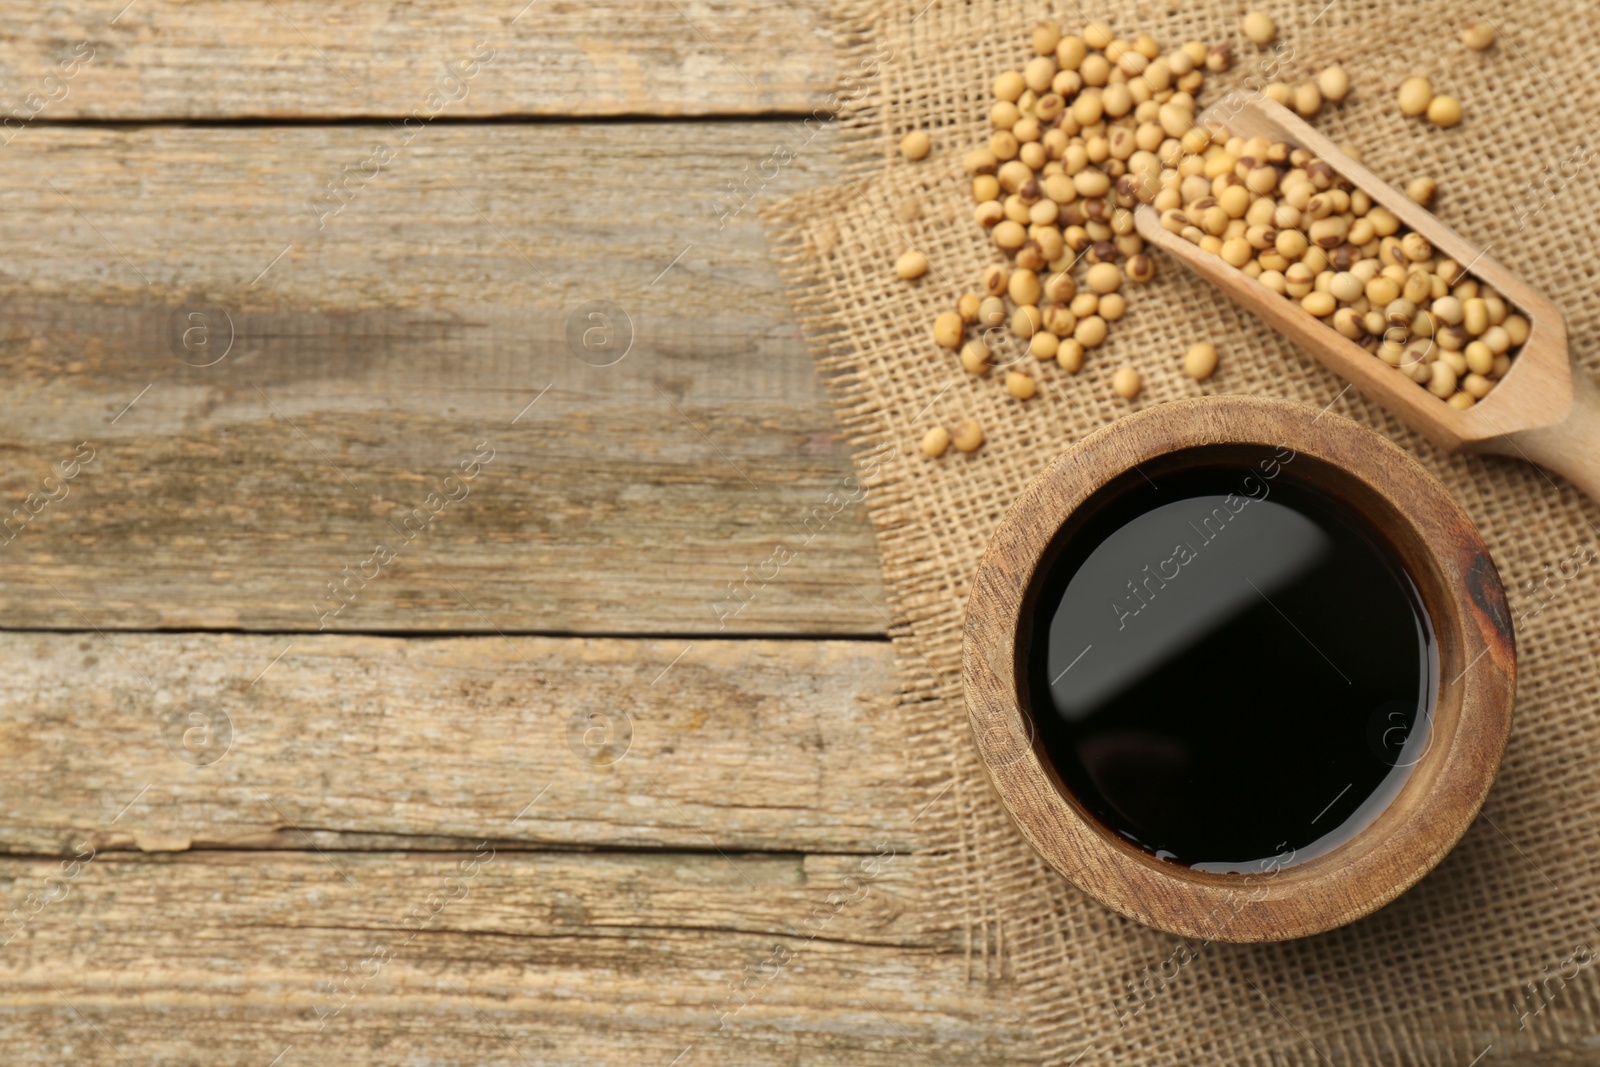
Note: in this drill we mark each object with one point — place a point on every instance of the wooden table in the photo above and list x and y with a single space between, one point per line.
395 412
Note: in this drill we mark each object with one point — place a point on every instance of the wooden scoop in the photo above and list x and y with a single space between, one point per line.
1541 410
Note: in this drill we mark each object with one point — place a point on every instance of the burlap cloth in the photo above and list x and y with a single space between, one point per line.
1443 972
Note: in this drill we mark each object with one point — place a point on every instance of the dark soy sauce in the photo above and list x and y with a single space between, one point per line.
1228 668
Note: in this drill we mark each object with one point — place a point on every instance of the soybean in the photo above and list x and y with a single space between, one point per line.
1478 36
1259 27
1200 362
1335 84
1103 278
1020 385
1415 96
1069 355
916 145
911 265
1444 111
968 435
975 358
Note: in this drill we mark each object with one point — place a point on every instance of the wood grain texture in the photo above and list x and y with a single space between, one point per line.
469 947
1428 535
369 359
488 957
349 742
167 60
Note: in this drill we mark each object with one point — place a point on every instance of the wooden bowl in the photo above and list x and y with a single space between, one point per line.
1426 532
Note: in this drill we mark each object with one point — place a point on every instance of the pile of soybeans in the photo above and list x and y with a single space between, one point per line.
1093 127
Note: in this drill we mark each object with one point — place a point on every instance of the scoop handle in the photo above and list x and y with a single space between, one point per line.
1570 446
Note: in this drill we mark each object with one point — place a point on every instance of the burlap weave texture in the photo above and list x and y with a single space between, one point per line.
1443 972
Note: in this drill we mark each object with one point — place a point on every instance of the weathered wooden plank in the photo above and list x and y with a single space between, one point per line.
376 349
167 59
480 957
165 741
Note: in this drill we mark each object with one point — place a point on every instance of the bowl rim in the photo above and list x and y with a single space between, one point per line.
1471 721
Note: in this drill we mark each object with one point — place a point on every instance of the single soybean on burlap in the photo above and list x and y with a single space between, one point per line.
1445 971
